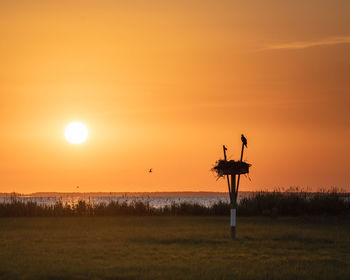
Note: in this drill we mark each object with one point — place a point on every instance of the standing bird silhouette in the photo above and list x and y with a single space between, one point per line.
244 140
225 149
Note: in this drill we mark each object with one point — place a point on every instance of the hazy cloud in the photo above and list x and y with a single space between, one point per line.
309 44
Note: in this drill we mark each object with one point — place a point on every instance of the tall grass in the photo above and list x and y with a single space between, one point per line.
295 204
262 203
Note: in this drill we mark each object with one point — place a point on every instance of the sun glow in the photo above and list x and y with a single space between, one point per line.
76 133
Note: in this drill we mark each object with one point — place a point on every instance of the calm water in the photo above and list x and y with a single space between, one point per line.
153 201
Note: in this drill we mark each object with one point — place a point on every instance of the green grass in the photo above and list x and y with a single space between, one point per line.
174 248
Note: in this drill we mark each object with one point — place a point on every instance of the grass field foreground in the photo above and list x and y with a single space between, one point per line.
174 248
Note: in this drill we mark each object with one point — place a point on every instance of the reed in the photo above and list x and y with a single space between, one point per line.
261 204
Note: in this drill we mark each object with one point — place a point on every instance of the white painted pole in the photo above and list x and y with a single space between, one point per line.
233 217
233 223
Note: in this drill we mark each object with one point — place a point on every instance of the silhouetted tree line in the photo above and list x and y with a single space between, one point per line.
261 204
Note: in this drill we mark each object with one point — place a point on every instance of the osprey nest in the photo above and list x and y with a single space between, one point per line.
230 167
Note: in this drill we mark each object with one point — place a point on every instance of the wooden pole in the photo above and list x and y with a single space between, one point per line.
228 179
239 175
233 207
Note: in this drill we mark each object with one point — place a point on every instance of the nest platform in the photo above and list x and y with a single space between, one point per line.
231 167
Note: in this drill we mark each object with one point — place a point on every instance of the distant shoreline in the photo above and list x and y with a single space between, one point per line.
152 194
124 194
118 194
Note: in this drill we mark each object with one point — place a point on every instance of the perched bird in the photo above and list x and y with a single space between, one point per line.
150 171
244 140
225 149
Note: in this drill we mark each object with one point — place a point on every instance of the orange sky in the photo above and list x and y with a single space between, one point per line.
164 84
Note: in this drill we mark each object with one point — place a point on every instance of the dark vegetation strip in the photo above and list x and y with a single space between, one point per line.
261 204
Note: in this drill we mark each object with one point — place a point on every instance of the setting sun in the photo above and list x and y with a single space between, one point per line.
76 133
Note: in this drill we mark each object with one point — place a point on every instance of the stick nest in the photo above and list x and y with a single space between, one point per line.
230 167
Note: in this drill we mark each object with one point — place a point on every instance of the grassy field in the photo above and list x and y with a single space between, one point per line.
174 248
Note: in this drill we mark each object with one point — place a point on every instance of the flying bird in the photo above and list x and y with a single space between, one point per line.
150 171
244 140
